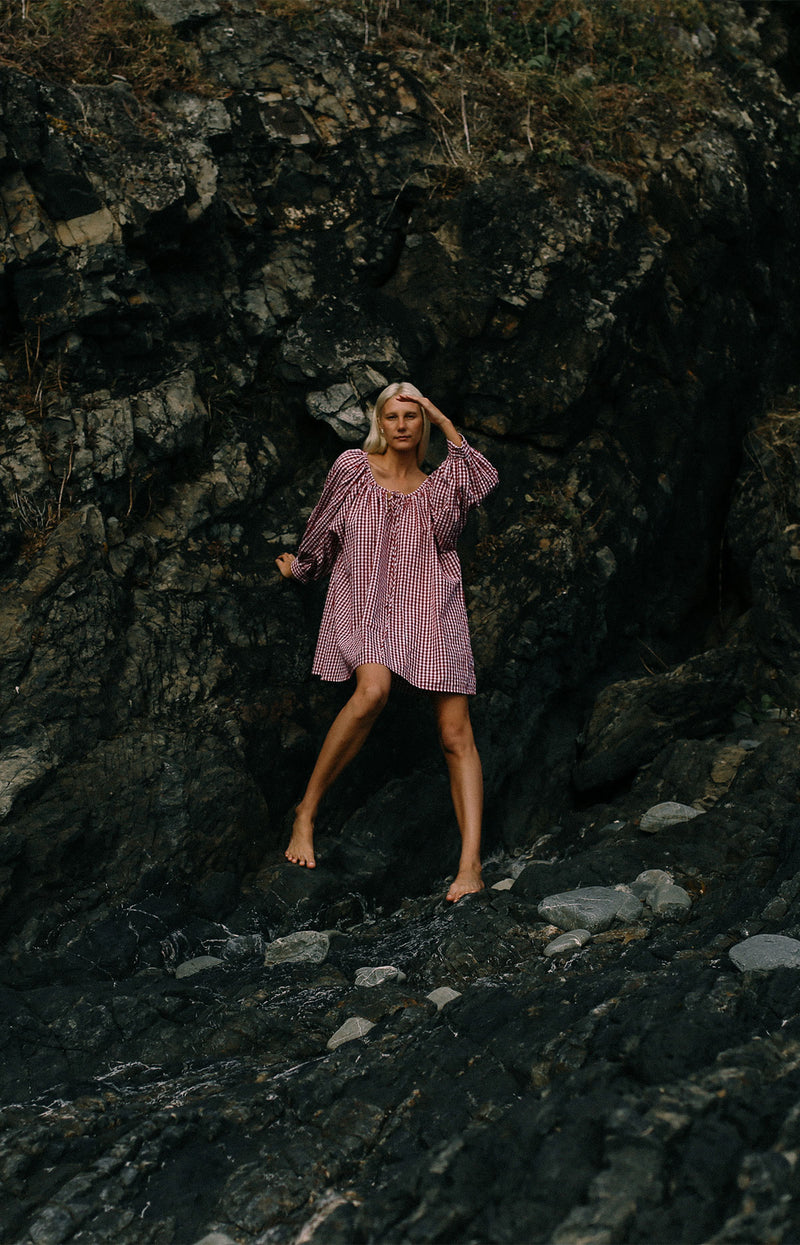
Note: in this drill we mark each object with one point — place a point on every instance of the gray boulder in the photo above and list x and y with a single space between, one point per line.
765 952
594 908
307 946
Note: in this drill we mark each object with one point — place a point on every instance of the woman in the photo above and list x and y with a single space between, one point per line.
386 532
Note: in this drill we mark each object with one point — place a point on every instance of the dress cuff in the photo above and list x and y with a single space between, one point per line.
458 449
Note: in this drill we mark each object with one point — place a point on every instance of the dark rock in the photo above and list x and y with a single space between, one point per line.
631 721
201 297
182 14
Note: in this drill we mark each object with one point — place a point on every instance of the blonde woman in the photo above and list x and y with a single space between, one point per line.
386 533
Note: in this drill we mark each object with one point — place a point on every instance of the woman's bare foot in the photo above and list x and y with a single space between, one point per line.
467 881
301 845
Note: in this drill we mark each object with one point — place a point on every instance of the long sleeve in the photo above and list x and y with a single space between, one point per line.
459 484
320 544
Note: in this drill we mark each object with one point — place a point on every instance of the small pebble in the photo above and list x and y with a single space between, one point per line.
378 975
566 943
198 965
442 996
630 905
504 884
667 899
654 877
667 814
353 1028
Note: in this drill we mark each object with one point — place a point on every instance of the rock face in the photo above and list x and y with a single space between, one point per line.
199 298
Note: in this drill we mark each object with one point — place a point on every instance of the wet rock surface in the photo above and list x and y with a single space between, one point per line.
198 303
638 1087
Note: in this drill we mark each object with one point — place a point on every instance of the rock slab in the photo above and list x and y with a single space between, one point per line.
307 946
669 813
355 1027
765 952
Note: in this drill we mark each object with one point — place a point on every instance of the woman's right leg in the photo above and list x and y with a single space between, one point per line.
348 732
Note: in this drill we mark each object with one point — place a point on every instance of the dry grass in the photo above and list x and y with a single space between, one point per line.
86 42
568 80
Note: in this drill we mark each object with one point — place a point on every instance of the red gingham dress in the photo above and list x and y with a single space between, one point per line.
395 595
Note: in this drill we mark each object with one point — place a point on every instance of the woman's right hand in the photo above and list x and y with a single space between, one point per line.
284 563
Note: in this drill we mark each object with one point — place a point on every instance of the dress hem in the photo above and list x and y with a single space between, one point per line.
447 691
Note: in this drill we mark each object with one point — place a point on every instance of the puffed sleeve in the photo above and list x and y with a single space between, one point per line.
320 544
459 483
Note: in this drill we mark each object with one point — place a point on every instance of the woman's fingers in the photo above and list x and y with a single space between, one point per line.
284 564
433 412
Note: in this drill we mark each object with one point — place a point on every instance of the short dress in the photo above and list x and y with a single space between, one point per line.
395 595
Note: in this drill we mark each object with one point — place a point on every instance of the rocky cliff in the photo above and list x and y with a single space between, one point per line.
200 294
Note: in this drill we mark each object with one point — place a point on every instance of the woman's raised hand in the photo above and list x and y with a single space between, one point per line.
436 416
284 563
440 420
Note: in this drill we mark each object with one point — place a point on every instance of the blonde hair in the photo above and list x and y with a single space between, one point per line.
375 442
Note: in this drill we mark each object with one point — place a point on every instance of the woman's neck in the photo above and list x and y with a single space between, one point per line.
400 463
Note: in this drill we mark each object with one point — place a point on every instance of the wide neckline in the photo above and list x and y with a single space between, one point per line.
396 492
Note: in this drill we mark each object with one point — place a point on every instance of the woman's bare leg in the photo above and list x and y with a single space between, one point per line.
466 787
347 733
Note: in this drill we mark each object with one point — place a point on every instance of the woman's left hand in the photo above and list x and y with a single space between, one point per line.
440 420
436 416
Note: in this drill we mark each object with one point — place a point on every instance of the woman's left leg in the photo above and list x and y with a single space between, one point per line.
466 787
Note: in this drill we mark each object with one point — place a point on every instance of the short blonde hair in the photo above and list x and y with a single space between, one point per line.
375 442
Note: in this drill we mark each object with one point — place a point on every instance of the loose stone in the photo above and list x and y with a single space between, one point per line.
377 976
308 946
667 899
353 1028
566 943
442 996
629 907
667 814
198 965
590 907
764 952
652 878
504 884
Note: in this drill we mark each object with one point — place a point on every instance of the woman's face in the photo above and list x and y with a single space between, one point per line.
401 422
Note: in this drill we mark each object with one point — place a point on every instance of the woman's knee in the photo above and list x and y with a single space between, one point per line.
455 736
370 696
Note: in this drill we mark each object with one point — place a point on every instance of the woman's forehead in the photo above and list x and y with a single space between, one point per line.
399 402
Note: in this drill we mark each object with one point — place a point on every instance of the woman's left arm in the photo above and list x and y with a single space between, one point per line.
461 482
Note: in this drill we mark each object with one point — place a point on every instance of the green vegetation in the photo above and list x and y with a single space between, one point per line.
624 40
570 80
574 80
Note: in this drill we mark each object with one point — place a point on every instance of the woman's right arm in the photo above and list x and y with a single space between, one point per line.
320 544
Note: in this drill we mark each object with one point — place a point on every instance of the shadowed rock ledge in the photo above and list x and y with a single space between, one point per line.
198 302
